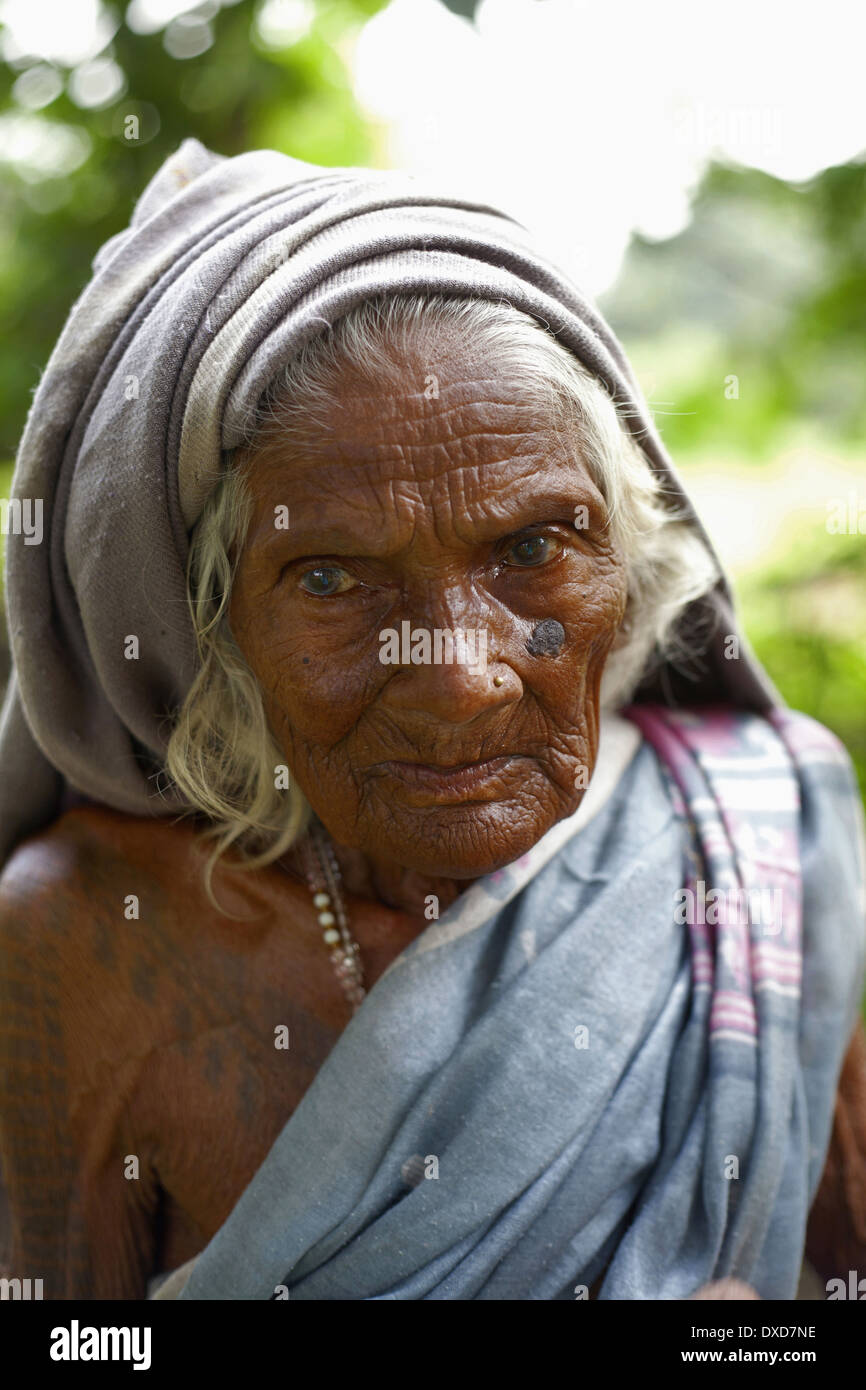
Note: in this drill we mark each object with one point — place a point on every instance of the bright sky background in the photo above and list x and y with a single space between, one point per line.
584 120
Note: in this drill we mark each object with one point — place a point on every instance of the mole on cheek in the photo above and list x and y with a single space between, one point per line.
546 639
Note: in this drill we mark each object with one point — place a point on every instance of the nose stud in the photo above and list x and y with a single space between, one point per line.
498 680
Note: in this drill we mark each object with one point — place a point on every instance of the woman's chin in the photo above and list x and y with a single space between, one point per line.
462 841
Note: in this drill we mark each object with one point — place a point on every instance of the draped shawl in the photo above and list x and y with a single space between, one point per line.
227 268
567 1079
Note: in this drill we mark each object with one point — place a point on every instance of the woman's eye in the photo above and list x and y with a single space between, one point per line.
535 550
325 580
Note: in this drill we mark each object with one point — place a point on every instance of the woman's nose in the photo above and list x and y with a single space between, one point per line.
450 674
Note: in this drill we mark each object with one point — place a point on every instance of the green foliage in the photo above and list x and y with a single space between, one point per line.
805 617
777 272
751 329
240 94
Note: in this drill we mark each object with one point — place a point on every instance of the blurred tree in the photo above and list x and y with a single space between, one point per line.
465 8
806 618
237 76
766 284
766 290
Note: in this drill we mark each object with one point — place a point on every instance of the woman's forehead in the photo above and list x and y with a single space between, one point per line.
399 427
467 454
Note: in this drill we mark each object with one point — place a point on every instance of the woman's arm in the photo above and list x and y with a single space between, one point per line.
78 1222
836 1233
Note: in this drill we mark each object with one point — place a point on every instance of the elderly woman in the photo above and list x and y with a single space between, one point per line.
414 887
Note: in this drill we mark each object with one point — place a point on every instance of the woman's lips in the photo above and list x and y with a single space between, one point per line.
444 782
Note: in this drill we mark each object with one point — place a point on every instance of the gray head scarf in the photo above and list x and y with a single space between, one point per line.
227 268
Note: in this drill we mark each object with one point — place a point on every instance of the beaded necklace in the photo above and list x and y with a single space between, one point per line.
324 880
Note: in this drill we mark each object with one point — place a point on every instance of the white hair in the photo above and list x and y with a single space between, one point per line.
222 754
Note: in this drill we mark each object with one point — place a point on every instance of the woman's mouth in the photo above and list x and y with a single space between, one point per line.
456 783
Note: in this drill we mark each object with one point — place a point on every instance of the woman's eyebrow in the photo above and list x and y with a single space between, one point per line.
548 504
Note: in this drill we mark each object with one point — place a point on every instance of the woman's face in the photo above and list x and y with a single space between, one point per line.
448 512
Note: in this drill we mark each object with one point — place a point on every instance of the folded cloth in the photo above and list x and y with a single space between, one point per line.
589 1065
228 267
169 1285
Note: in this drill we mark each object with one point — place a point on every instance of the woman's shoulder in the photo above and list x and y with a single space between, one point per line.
94 849
97 883
75 959
773 750
85 856
726 729
107 932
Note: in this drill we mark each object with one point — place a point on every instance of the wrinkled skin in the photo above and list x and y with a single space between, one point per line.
154 1036
428 511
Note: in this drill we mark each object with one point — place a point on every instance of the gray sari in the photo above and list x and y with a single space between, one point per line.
559 1080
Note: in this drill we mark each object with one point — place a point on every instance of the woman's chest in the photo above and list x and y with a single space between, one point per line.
212 1107
242 1021
240 1043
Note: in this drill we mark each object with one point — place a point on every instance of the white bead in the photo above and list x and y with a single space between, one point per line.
326 919
321 900
331 936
